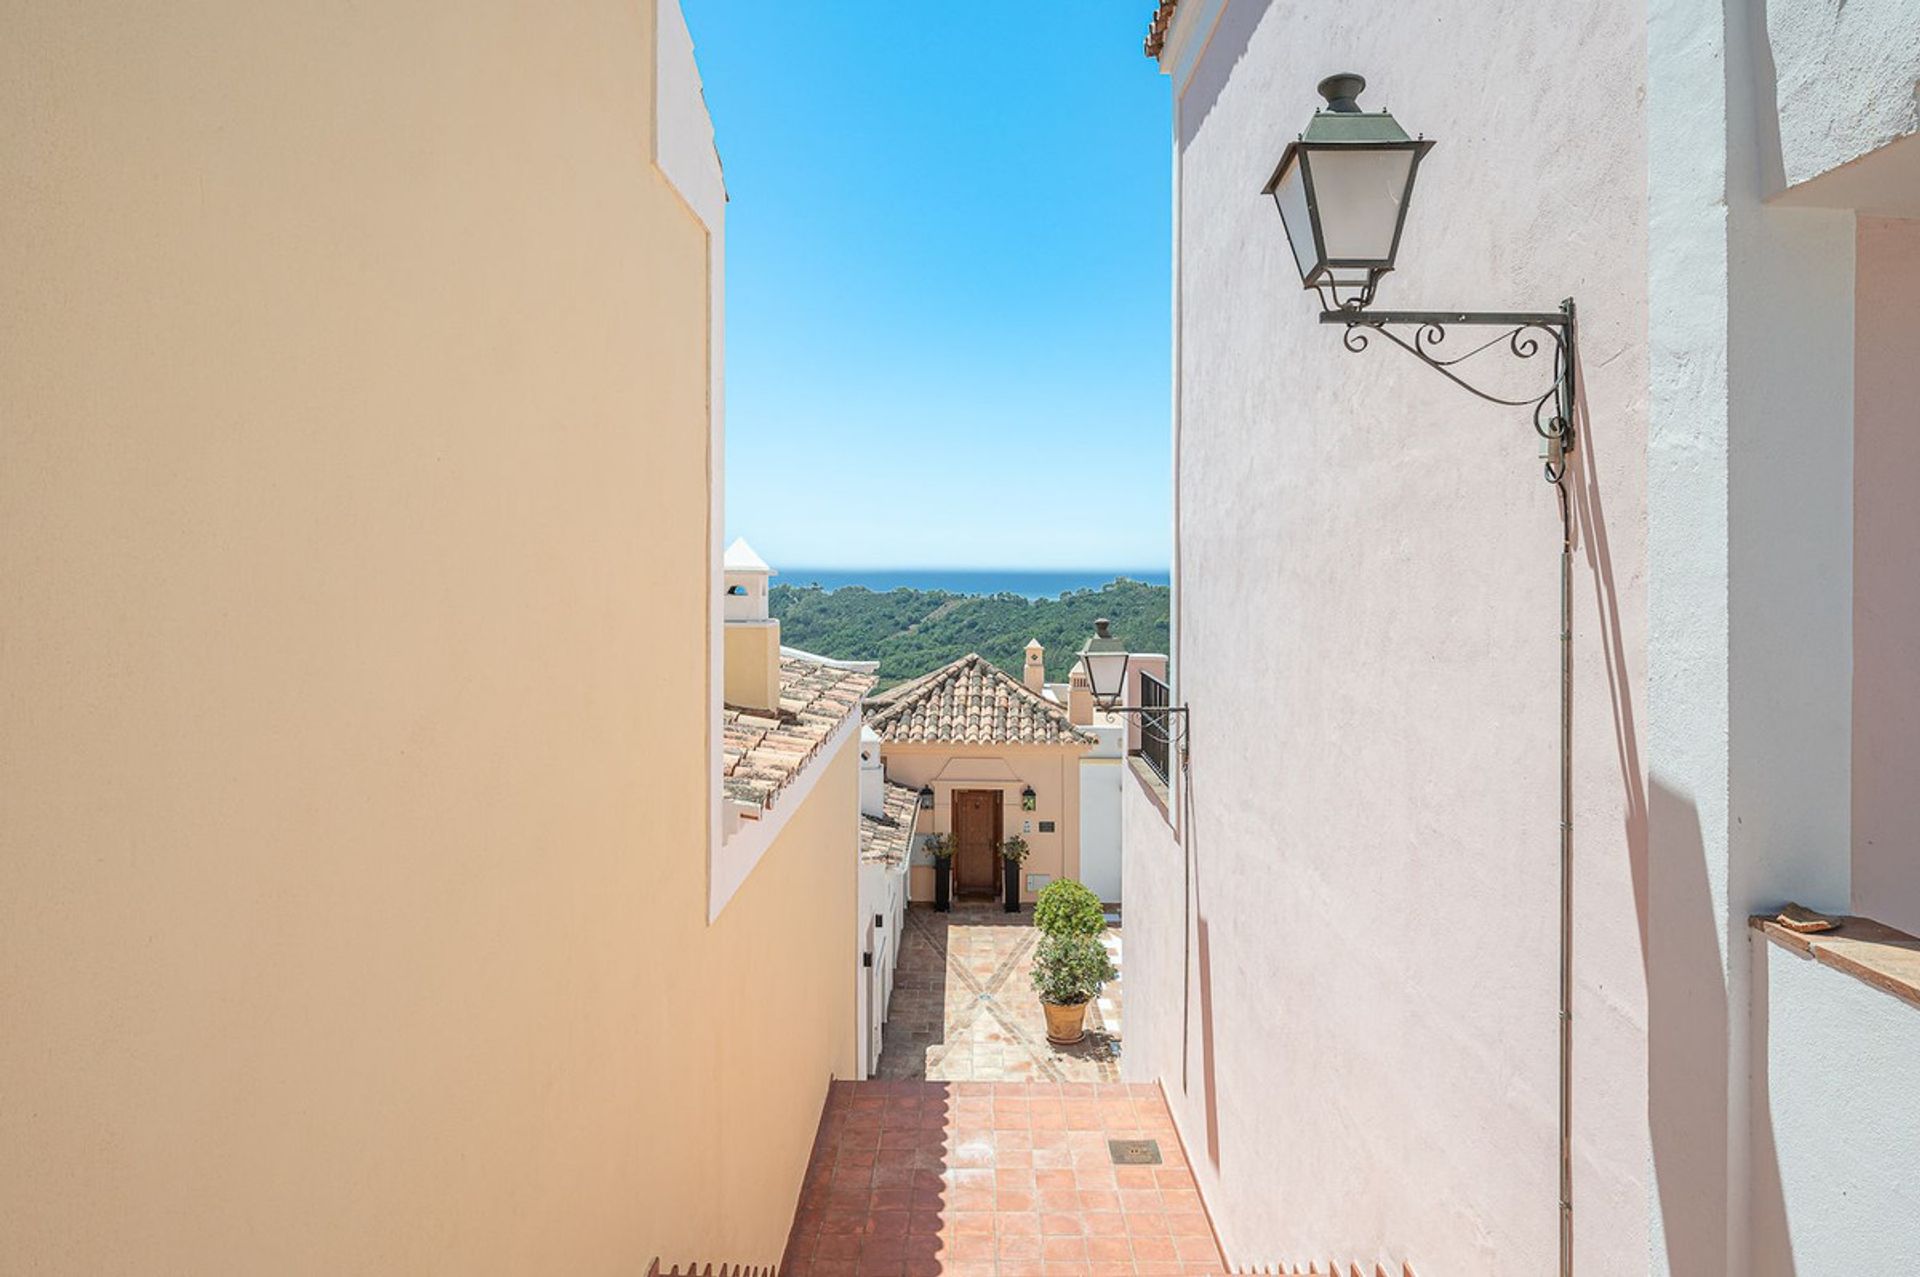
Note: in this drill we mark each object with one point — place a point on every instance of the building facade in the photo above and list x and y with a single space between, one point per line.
1343 927
362 796
994 758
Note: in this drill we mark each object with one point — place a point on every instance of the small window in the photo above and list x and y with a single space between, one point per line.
737 591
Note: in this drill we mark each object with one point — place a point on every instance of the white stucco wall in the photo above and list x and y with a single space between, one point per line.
1100 847
1836 1133
1366 632
1843 74
1152 884
1752 610
878 921
687 157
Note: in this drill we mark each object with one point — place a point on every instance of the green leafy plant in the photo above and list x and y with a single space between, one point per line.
1069 970
1015 849
939 846
1066 908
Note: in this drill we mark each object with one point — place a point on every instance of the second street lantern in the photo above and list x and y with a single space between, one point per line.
1342 189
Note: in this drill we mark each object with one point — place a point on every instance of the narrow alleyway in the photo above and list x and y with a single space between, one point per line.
963 1006
967 1179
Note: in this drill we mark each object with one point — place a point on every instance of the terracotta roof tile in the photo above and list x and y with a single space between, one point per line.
886 838
1158 28
972 702
763 750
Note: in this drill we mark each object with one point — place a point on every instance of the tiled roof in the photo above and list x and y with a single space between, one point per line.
763 752
972 702
1157 29
886 838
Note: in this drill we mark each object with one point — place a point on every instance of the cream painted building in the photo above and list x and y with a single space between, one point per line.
1342 929
366 904
994 757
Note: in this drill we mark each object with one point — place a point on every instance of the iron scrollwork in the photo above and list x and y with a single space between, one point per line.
1524 336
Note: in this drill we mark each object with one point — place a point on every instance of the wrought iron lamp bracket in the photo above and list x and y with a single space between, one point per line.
1172 715
1523 334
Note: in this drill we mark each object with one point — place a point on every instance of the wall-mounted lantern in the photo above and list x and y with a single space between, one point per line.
1028 799
926 798
1342 188
1103 659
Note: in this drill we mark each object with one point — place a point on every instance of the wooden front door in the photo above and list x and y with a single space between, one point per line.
976 840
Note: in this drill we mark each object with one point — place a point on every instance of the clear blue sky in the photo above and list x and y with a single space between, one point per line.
947 280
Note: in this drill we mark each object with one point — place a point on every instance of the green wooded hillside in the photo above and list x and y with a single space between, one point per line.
913 631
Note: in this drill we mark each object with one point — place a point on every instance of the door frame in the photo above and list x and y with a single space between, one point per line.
998 804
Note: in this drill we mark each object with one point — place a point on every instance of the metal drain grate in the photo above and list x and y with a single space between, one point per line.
1134 1152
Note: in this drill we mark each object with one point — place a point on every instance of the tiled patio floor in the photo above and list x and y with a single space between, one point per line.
963 1007
965 1179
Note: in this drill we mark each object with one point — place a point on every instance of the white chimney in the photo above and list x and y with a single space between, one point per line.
1035 674
873 778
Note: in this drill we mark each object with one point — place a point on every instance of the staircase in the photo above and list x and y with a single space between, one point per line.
708 1270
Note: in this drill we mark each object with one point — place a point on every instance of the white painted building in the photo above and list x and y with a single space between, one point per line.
889 818
1342 931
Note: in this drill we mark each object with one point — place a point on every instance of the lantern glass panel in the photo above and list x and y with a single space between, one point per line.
1106 674
1357 193
1290 195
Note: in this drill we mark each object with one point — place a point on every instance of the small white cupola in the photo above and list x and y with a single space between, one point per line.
752 635
747 579
1035 673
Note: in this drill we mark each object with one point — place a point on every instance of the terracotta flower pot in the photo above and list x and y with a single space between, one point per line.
1066 1025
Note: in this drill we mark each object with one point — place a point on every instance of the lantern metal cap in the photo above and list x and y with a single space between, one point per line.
1342 123
1103 639
1342 90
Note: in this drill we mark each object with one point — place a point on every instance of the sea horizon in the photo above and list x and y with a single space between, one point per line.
1032 583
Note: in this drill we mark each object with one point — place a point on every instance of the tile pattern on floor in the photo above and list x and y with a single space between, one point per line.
963 1006
967 1179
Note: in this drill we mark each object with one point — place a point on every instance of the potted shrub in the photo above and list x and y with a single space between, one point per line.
1014 853
1068 971
940 847
1067 908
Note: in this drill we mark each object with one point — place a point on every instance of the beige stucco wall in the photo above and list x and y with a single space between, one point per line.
753 664
354 532
1053 771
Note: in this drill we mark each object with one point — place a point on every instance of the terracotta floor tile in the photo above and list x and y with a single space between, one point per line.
912 1178
963 1250
963 1009
1150 1248
1063 1250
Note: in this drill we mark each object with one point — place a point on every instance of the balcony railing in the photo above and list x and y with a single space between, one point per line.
1155 729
